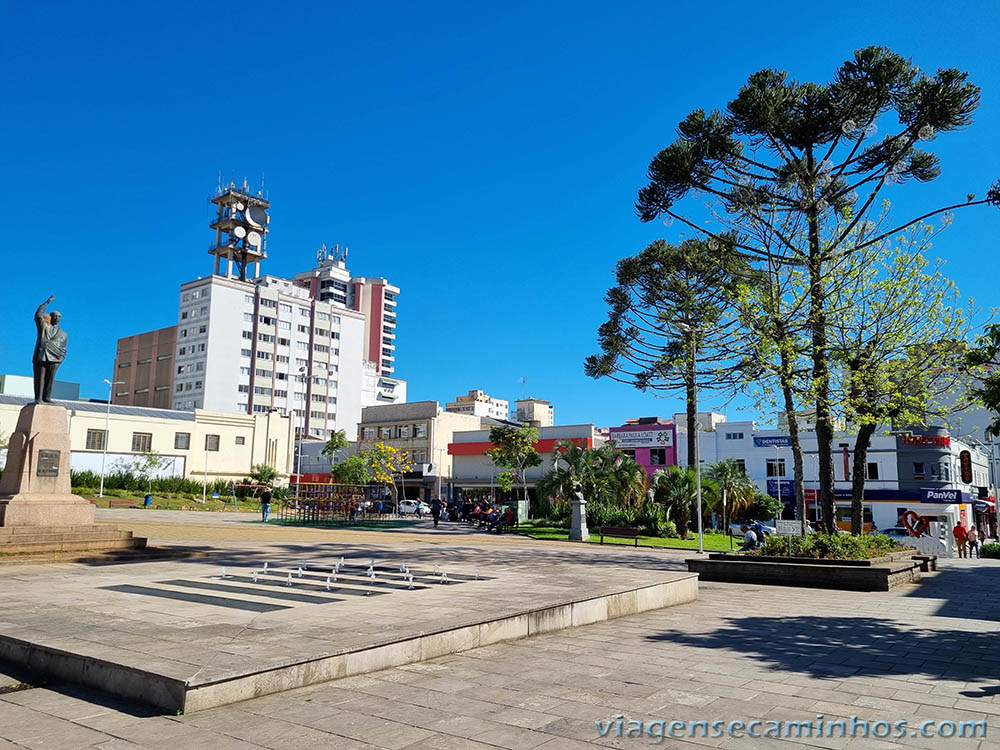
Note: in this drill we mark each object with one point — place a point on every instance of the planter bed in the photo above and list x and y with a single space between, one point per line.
851 575
890 558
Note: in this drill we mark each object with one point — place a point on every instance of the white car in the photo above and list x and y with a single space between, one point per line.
410 506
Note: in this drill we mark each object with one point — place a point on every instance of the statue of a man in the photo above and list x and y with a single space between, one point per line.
50 351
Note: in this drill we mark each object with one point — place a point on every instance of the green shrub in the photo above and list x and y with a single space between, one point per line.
841 546
990 550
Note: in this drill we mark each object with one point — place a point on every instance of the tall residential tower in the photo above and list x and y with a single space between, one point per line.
319 346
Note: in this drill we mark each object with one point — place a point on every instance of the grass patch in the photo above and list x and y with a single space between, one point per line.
713 542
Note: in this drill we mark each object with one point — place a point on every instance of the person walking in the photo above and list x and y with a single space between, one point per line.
265 503
961 539
972 538
436 510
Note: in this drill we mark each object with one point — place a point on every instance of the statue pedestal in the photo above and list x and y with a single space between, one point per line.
578 531
35 486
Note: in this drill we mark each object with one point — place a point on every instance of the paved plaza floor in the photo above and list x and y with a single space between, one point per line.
927 653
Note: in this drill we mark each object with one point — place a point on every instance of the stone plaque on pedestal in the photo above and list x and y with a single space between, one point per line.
35 486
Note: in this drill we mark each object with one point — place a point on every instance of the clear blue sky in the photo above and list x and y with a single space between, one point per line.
485 160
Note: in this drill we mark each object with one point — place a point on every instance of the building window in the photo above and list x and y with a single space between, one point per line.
182 441
418 457
872 470
657 456
403 431
317 414
420 430
96 440
368 433
245 353
775 467
180 387
630 453
742 464
734 436
386 433
211 442
918 469
142 442
240 440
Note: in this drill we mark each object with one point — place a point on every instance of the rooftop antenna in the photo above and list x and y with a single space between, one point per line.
261 191
524 383
218 187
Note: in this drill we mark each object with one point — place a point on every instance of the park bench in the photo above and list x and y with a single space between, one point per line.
121 504
622 532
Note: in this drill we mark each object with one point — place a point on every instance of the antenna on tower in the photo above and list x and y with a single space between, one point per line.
218 188
261 191
524 383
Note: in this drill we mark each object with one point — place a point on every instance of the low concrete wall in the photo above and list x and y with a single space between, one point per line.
441 643
881 577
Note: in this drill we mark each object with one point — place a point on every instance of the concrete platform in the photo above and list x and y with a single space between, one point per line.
179 636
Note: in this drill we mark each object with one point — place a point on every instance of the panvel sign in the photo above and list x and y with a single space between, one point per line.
658 438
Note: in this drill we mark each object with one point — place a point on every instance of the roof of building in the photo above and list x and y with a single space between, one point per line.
97 406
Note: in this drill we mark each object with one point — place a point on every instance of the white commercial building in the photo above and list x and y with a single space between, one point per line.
195 444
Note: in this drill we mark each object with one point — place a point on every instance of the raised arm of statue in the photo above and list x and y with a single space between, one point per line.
41 319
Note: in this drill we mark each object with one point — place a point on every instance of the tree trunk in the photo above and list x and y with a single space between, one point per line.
793 433
820 370
858 476
798 468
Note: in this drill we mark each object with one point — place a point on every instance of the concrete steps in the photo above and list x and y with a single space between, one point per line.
34 539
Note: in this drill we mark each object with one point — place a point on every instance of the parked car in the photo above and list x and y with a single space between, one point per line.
410 506
897 532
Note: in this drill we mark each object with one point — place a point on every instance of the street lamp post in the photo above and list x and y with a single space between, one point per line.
302 420
107 431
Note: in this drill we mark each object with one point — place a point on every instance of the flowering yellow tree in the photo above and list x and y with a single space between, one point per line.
384 462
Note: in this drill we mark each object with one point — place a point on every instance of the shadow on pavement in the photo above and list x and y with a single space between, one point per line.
833 647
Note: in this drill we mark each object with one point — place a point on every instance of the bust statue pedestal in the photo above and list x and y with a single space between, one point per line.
35 486
578 531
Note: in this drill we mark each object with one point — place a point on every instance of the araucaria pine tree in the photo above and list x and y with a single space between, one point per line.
794 172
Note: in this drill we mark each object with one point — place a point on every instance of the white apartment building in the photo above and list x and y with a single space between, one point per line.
480 404
318 347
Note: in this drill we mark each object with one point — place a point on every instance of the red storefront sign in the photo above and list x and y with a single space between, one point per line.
941 441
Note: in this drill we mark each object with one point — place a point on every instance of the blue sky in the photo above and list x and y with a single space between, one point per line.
486 160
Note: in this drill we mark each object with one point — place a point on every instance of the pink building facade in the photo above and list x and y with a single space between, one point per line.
653 445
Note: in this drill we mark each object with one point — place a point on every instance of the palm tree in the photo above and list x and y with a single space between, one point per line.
735 487
676 488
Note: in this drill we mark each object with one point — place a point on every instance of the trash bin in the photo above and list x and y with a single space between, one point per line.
149 501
